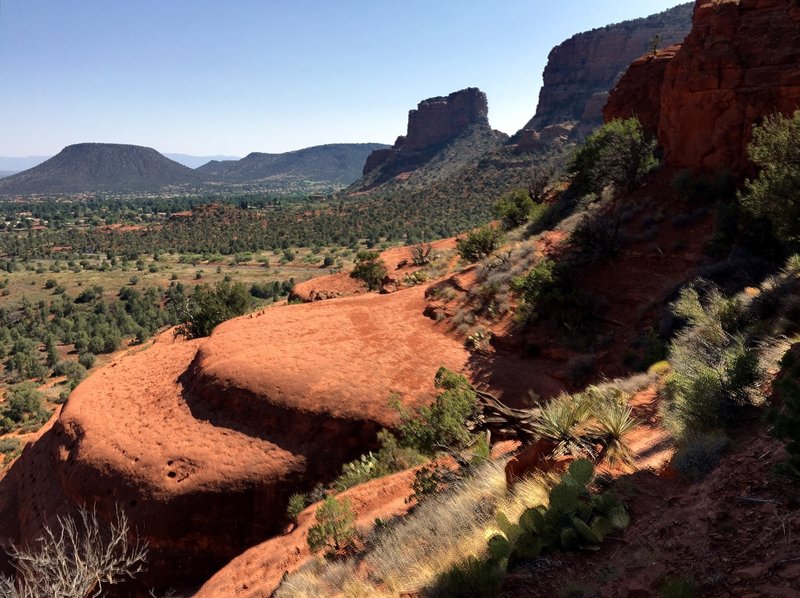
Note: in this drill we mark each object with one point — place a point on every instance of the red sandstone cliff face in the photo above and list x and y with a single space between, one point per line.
638 93
581 71
740 62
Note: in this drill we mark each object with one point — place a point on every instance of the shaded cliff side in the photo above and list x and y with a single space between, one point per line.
740 63
581 71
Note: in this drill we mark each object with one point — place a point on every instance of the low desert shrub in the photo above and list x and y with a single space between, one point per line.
10 448
619 153
714 371
334 530
297 503
210 306
517 207
441 425
369 268
24 407
479 243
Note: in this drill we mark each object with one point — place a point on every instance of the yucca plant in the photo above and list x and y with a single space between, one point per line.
613 420
564 421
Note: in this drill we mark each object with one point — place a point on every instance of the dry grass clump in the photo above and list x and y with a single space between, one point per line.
411 554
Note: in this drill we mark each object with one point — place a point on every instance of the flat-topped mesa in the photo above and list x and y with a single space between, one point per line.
434 122
740 62
437 120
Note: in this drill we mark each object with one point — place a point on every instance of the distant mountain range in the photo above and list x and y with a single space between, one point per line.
195 161
119 168
339 163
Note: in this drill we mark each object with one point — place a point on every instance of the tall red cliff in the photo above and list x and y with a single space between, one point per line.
740 62
581 71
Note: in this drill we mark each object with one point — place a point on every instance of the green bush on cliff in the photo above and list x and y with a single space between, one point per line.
714 370
442 425
517 207
335 529
775 193
619 153
23 407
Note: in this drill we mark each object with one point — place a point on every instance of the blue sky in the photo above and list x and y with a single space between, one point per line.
234 76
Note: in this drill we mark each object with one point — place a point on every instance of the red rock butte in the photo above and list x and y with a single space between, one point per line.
740 63
202 442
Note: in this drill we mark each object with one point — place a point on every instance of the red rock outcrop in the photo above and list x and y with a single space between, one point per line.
581 71
202 442
740 63
435 123
437 120
638 93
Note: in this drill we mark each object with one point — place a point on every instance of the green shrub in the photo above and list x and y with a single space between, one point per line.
23 407
574 519
775 193
390 458
516 208
210 306
297 503
10 448
70 369
335 529
619 153
441 425
479 243
714 371
369 268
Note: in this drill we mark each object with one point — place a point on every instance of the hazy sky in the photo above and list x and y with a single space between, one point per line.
235 76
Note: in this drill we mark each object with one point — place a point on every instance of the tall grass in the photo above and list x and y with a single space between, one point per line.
413 553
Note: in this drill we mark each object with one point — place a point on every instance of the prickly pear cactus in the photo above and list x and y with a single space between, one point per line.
574 519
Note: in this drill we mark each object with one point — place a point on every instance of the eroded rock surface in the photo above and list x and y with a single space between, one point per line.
202 442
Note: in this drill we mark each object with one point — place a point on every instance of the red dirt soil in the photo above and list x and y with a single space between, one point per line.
398 263
736 533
